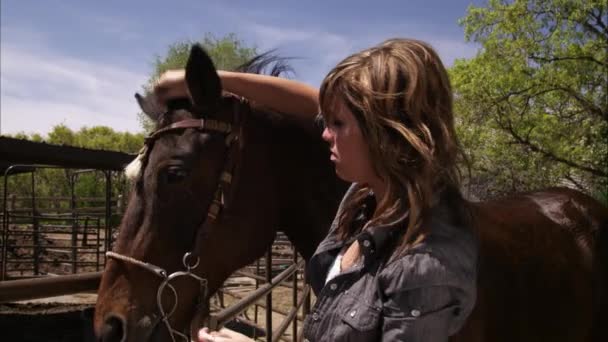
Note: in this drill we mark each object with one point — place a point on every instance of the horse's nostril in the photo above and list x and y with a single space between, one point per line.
114 329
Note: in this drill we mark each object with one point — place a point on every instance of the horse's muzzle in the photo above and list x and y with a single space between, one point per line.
114 329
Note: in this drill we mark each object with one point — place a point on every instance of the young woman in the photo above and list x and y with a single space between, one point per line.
400 260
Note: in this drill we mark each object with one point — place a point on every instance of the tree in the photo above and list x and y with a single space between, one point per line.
227 53
55 182
532 103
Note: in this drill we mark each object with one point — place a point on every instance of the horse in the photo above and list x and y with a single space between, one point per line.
219 177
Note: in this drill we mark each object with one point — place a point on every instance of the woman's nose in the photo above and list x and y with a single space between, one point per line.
327 135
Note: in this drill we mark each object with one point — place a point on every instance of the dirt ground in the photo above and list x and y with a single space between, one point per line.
68 318
282 300
49 322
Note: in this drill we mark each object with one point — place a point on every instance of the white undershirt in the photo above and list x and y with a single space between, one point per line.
335 268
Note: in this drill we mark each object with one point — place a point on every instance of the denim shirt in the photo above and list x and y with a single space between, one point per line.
424 295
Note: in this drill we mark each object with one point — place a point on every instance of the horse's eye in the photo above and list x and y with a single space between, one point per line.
176 174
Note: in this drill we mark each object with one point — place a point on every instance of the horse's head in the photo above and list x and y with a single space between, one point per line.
182 215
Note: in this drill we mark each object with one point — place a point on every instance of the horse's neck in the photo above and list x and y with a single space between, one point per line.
306 229
307 190
308 203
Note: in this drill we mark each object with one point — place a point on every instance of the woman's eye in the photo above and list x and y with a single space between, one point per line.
320 122
176 175
336 123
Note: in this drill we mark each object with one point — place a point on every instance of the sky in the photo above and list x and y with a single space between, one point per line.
78 63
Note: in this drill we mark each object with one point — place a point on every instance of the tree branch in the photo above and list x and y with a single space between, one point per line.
568 58
586 104
590 107
575 182
551 155
598 22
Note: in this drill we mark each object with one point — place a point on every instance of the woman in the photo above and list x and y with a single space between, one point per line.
400 260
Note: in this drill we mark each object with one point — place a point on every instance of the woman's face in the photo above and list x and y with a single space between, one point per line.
349 151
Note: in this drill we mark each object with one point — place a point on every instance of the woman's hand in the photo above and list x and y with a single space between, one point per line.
224 335
170 85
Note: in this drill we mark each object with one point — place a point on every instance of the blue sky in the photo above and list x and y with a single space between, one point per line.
80 62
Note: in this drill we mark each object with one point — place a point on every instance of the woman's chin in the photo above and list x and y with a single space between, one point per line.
343 176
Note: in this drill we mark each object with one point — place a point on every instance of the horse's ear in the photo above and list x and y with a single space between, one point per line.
202 79
149 106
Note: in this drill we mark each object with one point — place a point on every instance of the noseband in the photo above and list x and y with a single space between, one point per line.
190 260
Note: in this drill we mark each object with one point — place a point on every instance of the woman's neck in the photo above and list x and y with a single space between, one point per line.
378 186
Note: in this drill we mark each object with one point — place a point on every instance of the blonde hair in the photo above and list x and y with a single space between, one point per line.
400 95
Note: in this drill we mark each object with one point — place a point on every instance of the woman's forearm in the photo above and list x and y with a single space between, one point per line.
279 94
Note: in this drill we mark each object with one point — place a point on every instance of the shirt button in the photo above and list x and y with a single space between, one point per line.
315 316
366 243
333 286
415 313
353 313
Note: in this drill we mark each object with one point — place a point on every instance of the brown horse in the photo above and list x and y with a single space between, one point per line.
219 176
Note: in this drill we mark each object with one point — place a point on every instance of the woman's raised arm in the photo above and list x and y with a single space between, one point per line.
279 94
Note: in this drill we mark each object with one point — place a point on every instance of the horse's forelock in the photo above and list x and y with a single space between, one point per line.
133 170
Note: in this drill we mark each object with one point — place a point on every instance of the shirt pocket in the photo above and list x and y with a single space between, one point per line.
360 322
361 316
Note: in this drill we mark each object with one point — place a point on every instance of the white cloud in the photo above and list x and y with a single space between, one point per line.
117 25
322 49
325 49
41 88
321 44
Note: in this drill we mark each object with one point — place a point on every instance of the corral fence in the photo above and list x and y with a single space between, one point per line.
268 274
54 235
55 245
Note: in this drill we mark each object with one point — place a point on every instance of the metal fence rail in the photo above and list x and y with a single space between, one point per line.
51 233
49 286
46 239
25 289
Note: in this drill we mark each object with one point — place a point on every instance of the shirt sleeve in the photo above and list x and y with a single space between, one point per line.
424 300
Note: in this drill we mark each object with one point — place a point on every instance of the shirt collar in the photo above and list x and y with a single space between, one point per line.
380 237
376 237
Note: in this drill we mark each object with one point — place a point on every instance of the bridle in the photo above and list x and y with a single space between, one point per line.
221 198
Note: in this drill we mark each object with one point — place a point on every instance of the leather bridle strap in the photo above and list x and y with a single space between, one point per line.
198 124
225 181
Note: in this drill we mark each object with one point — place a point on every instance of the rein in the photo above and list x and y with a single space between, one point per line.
191 259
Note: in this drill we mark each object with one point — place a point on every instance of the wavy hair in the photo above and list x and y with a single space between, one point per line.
400 95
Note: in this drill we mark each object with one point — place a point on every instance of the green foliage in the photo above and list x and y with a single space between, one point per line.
227 53
532 104
56 182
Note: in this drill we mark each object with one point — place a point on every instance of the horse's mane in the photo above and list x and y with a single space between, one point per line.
267 63
288 137
285 128
271 64
311 175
